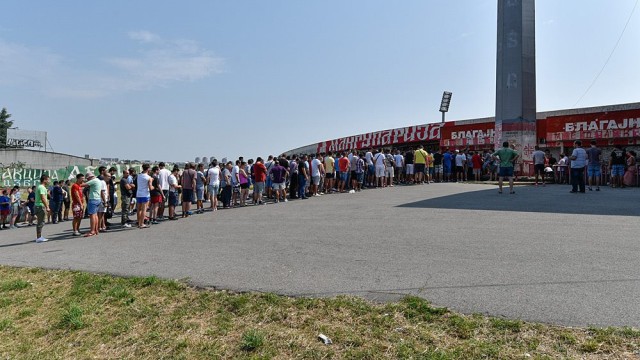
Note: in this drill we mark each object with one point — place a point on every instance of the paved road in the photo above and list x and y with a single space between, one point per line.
542 254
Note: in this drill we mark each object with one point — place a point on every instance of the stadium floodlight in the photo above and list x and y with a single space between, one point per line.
444 104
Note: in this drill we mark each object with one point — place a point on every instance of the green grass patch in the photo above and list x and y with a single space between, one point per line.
5 324
65 314
252 340
13 285
506 325
71 318
419 309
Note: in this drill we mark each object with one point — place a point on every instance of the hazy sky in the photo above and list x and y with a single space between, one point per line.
171 80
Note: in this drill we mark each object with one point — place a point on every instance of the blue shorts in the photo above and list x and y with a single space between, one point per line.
142 200
593 170
344 176
92 206
447 169
269 182
506 171
173 198
617 170
371 170
200 193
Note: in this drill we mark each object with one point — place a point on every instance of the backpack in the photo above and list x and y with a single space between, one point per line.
389 161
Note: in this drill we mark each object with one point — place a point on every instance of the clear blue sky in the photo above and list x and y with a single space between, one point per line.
171 80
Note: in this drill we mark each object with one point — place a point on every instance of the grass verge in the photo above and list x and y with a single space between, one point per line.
64 314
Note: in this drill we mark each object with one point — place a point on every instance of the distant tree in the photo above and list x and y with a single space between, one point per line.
4 125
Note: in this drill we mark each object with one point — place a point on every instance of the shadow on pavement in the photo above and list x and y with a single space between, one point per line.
65 235
550 199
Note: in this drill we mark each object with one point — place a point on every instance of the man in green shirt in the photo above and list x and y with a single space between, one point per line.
41 205
96 197
507 158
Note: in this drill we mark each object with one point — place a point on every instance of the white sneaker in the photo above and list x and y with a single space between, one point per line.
285 200
127 225
41 239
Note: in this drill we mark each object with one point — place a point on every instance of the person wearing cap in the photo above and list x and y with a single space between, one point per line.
94 200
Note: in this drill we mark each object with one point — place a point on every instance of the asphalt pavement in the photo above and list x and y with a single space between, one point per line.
541 254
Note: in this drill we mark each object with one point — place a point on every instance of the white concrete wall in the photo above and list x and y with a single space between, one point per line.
41 160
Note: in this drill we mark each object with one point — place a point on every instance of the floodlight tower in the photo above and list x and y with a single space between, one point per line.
444 104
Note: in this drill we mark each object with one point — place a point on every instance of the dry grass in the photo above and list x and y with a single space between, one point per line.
64 314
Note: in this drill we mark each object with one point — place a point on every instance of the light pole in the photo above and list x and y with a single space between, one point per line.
444 105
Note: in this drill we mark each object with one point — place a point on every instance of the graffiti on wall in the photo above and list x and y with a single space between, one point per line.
26 177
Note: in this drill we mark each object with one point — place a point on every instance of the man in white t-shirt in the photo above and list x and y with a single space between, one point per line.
378 159
235 182
104 205
317 169
163 182
173 193
143 195
213 184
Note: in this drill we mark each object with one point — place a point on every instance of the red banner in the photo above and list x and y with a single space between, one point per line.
424 133
616 124
454 135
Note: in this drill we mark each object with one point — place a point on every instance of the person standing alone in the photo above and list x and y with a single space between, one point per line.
538 164
578 163
507 158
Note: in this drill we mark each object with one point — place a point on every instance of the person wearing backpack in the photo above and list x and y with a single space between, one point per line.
389 164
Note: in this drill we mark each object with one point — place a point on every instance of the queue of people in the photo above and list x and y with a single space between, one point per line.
156 190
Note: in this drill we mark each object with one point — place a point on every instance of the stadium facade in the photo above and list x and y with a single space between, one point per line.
609 125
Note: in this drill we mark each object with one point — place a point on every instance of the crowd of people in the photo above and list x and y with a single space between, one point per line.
157 189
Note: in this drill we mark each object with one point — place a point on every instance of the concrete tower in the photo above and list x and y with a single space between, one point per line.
516 76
